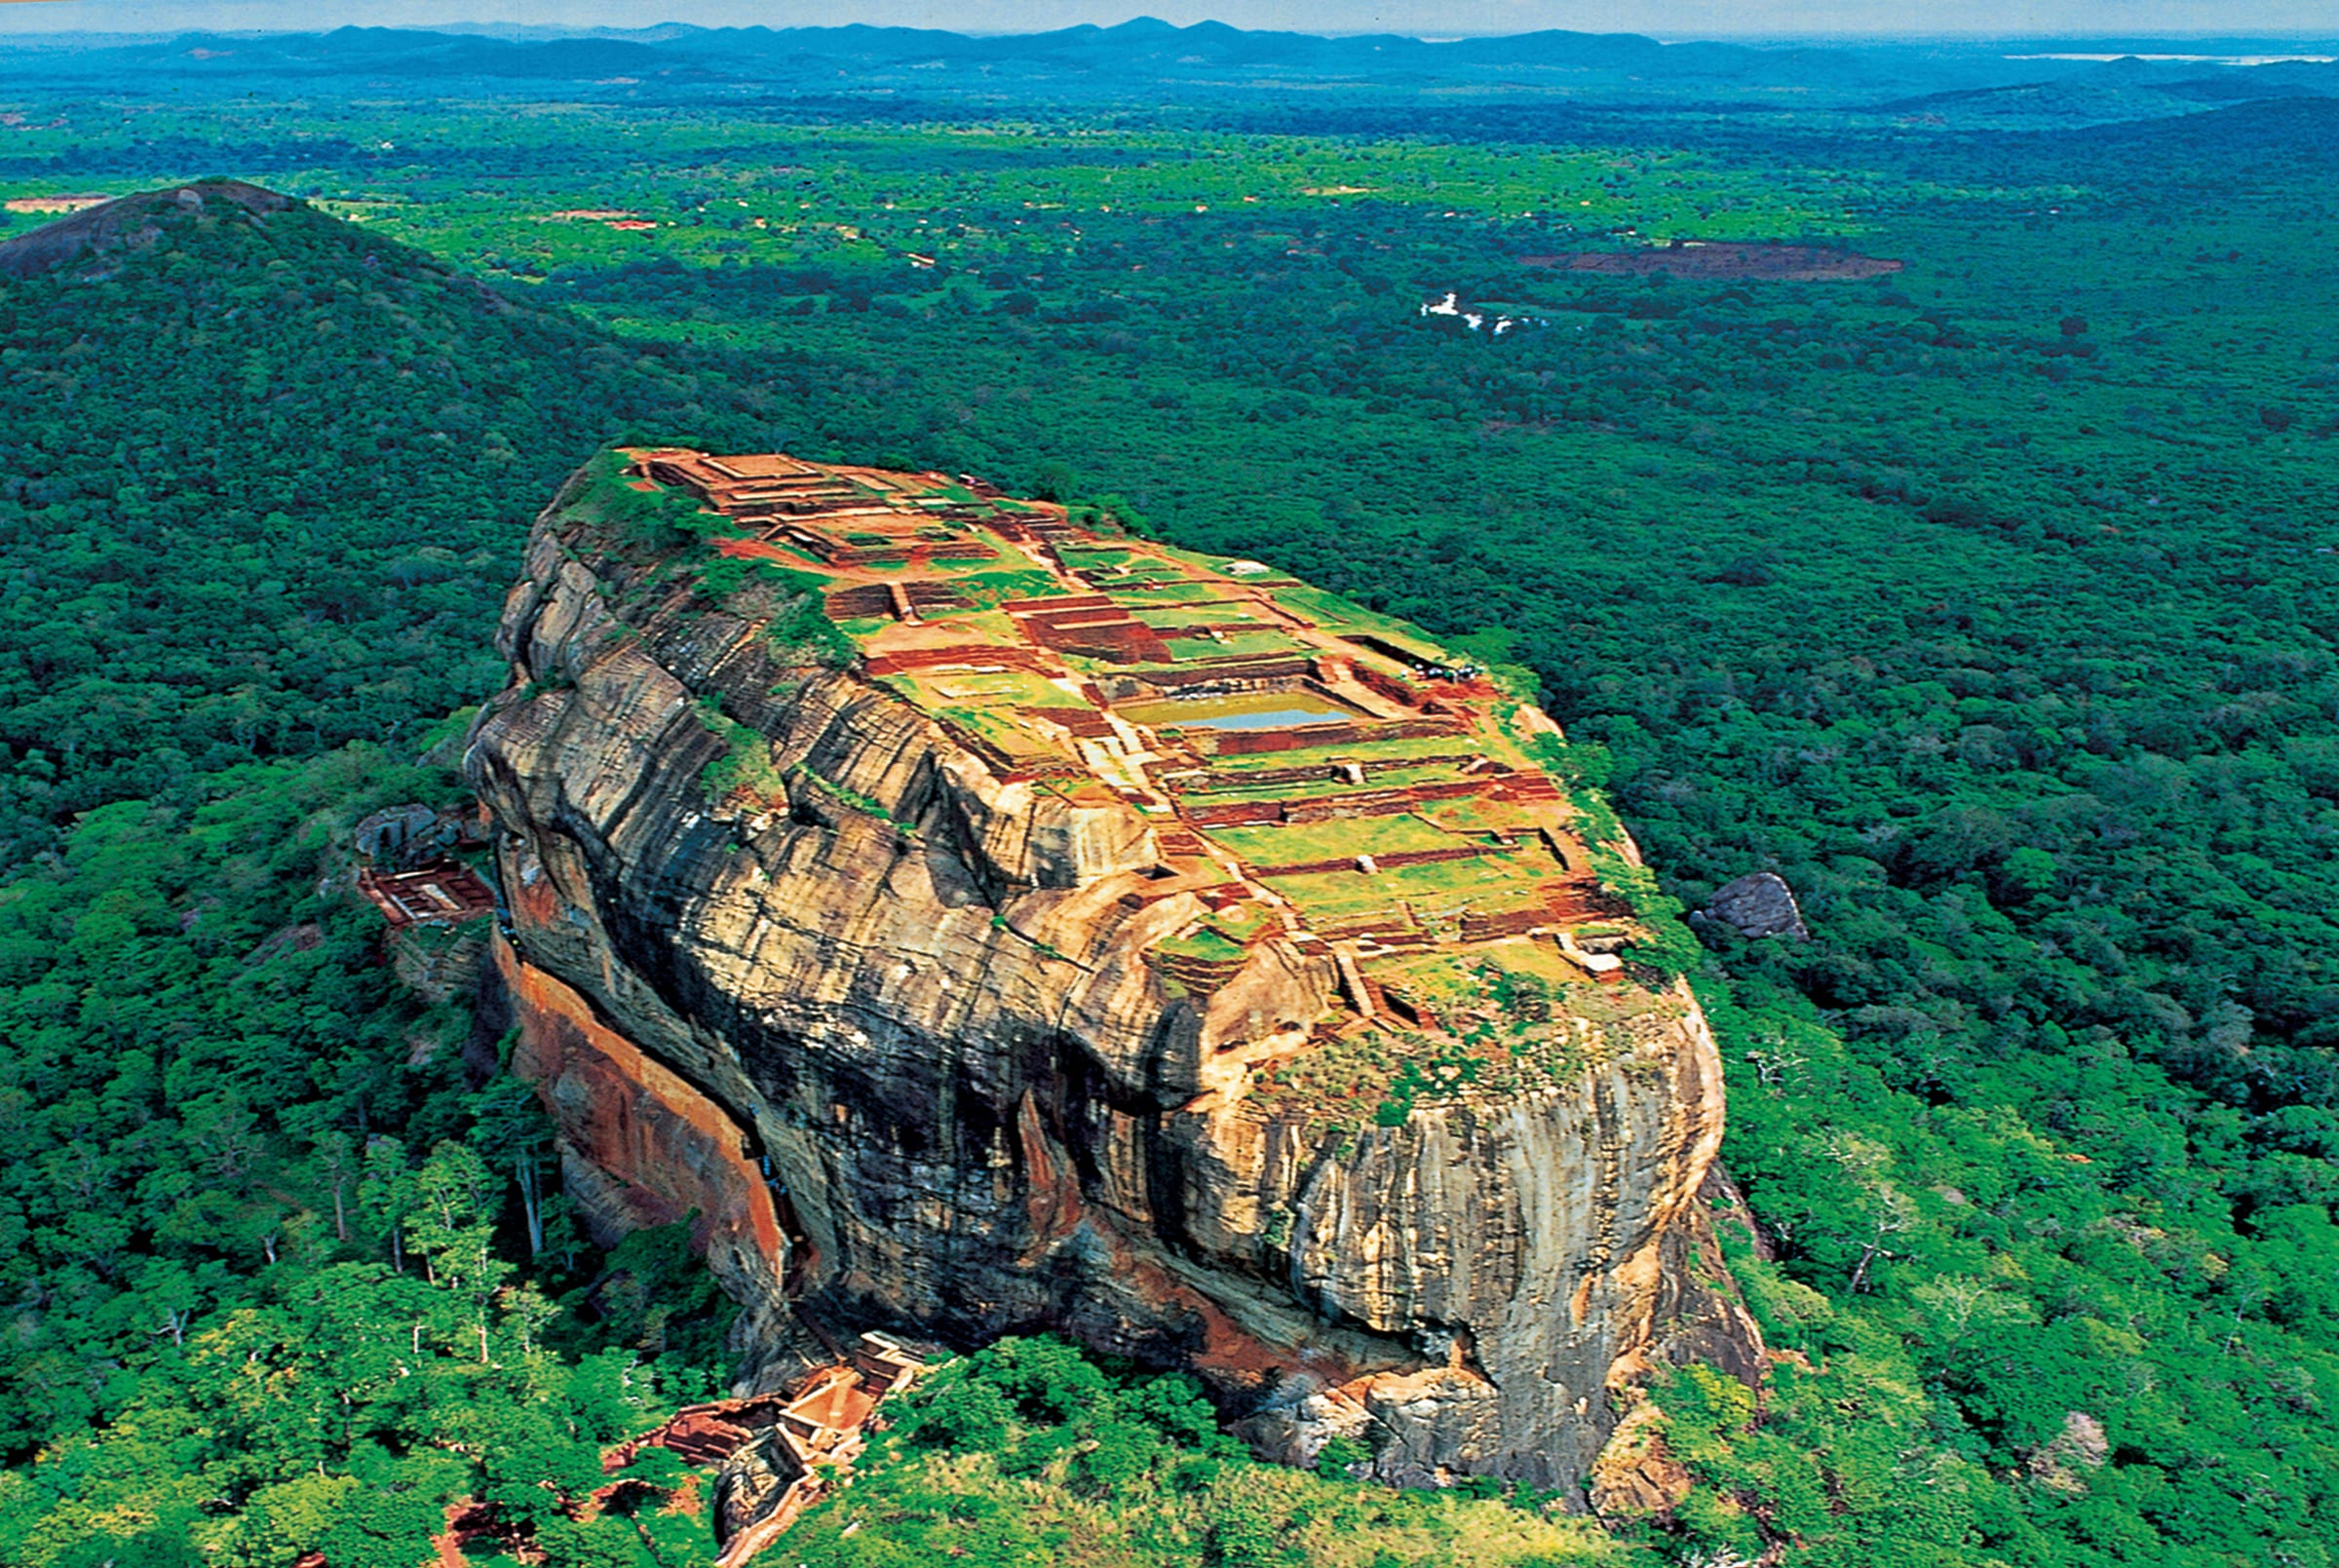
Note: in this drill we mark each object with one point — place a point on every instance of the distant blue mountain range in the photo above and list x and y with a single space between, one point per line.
2032 83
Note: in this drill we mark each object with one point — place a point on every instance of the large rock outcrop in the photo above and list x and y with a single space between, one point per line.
893 1019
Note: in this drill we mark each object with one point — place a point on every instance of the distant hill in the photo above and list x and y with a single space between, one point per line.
2290 127
1152 58
2299 78
297 458
2129 88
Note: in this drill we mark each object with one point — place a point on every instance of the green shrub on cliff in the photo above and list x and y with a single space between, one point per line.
746 765
802 632
643 517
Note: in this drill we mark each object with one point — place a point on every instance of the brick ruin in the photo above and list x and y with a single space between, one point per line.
410 872
777 1455
1233 706
780 1453
446 894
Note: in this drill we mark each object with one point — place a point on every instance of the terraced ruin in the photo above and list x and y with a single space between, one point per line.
1311 770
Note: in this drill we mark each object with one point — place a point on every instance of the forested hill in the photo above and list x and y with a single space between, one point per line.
205 567
263 479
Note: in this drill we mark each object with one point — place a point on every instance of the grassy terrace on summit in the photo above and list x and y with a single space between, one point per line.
1311 770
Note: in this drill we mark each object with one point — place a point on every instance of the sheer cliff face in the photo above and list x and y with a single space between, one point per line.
901 1023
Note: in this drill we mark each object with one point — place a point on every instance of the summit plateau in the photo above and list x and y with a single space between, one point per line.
986 920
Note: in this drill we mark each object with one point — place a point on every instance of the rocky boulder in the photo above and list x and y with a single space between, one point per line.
1758 904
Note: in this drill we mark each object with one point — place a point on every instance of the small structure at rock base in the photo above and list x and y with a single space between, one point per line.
446 892
411 874
817 1436
1758 904
779 1455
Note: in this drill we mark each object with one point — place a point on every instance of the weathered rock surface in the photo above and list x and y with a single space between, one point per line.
914 995
1758 904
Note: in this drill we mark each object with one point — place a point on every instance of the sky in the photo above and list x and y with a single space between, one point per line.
1672 19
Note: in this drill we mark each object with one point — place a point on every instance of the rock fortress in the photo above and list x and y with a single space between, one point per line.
987 922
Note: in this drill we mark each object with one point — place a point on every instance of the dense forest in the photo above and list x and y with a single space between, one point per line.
1987 599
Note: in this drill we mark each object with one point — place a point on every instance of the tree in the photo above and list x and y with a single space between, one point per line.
390 1192
451 1228
512 1130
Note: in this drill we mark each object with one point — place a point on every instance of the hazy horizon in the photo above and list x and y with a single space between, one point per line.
1674 20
